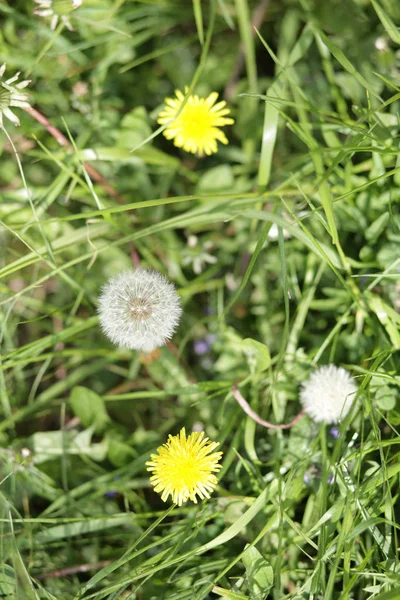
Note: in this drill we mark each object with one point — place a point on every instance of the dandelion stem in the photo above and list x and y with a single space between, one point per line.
253 415
73 570
63 141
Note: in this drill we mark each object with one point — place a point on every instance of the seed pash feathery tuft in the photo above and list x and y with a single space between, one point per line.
196 128
10 95
139 309
328 394
57 9
184 467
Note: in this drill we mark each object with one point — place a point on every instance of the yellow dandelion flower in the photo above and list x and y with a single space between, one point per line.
184 467
196 128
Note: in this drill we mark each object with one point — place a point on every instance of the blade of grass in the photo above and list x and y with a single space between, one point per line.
198 17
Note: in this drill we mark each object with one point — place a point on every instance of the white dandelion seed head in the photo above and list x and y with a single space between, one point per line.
328 394
57 9
11 95
139 309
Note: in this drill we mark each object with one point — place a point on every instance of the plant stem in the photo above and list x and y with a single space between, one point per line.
253 415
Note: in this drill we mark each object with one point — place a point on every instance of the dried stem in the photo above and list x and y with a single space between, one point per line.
76 569
62 140
135 257
253 415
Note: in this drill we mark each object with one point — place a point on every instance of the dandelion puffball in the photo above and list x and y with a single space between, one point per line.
57 9
11 95
139 309
328 394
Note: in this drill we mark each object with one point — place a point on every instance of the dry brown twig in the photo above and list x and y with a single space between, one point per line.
74 570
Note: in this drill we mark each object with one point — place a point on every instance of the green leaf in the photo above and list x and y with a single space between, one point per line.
385 398
257 354
388 318
148 155
119 453
48 445
228 594
80 528
391 29
83 445
240 523
89 407
218 179
134 128
259 572
383 477
198 15
7 580
377 227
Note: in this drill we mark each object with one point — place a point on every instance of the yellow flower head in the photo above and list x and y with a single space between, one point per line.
184 467
196 128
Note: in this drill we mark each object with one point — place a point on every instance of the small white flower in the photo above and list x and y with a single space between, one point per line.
57 9
381 44
328 395
10 95
273 233
197 254
139 309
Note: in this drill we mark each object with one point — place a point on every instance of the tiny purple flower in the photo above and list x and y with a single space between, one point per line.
111 494
335 432
201 347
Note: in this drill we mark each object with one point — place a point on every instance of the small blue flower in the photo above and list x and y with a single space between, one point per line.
201 347
335 432
111 494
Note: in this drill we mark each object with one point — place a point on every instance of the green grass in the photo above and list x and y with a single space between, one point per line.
313 159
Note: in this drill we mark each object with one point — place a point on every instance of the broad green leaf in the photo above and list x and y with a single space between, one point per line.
89 407
134 128
218 179
385 397
49 445
119 453
377 227
388 317
82 444
257 355
260 575
7 580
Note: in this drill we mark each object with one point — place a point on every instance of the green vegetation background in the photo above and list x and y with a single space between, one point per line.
289 236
